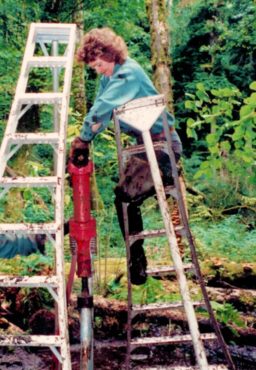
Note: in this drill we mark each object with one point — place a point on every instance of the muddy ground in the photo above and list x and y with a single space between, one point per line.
110 325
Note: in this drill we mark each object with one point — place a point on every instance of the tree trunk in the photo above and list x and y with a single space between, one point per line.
157 11
78 81
78 90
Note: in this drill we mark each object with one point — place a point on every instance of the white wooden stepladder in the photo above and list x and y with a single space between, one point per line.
50 48
141 114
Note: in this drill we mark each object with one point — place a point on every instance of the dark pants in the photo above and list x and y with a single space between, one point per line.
133 188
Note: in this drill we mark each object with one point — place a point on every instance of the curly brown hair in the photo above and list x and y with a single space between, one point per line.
102 43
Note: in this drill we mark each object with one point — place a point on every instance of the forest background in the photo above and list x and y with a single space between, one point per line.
212 60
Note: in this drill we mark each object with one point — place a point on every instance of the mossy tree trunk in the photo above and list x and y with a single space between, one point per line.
157 11
79 93
78 80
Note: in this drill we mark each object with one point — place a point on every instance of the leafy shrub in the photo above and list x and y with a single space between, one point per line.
230 143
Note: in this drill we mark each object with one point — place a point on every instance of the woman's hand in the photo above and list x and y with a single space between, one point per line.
79 152
95 127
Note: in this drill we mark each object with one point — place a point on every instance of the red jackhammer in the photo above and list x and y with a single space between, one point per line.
82 228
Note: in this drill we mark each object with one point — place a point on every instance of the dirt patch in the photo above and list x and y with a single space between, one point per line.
110 325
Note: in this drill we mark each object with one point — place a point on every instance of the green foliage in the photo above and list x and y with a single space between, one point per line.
213 42
230 142
228 238
34 300
227 315
14 19
213 54
150 292
34 264
38 206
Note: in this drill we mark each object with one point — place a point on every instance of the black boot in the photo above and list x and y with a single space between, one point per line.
138 264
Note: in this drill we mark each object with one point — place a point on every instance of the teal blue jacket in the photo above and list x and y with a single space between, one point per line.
128 82
11 245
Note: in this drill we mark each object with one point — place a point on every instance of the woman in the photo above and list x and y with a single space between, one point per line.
122 80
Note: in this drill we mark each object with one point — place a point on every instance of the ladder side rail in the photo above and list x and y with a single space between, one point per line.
59 195
127 243
119 143
184 218
60 170
188 306
55 75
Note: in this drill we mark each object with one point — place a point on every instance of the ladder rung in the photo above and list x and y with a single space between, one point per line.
99 344
34 138
31 340
40 98
165 270
45 228
29 281
138 342
154 233
209 367
136 149
138 308
28 181
48 61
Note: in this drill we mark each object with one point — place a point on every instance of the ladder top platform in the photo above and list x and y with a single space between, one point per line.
142 113
48 32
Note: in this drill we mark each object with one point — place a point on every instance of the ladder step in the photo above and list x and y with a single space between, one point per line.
29 281
139 308
154 233
165 270
42 228
34 138
138 342
47 61
136 149
209 367
40 98
31 340
29 181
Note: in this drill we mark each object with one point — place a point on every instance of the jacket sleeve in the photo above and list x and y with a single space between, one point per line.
118 90
10 246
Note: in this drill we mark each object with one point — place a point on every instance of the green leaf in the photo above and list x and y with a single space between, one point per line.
238 134
251 99
192 96
107 137
202 95
190 122
191 133
253 85
189 104
245 110
215 92
212 138
225 145
200 87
